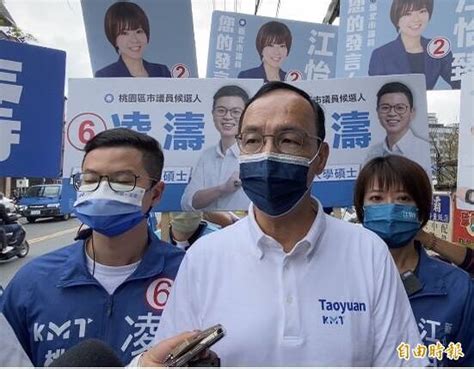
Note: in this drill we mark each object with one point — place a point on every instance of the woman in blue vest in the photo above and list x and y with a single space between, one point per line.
128 30
273 45
408 53
392 198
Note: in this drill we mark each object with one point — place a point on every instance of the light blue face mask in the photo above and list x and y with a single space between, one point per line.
108 212
396 224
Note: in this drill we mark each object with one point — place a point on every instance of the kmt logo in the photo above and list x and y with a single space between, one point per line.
340 307
333 320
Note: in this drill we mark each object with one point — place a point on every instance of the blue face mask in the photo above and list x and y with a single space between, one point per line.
108 212
396 224
275 183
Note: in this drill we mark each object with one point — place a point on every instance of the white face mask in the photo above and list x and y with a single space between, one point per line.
108 212
104 192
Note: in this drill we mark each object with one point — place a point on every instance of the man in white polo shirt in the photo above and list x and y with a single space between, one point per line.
214 183
396 112
291 285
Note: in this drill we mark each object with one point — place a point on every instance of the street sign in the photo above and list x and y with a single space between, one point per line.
22 183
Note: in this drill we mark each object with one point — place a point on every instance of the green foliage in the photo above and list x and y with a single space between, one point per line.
18 34
445 157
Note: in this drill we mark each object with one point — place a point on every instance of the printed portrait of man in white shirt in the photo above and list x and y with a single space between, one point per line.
396 112
215 183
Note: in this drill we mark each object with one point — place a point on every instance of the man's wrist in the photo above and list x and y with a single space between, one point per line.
221 189
141 361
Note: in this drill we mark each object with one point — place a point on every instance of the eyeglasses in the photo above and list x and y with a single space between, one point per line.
397 108
286 142
118 182
221 111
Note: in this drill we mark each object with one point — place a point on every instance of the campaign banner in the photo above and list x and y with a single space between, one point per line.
463 226
465 182
31 110
440 229
440 208
248 46
360 126
384 37
196 131
198 134
441 216
141 38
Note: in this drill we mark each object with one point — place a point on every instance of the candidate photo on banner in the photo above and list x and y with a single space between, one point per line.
215 183
465 180
195 121
367 117
273 44
132 38
396 112
431 37
247 46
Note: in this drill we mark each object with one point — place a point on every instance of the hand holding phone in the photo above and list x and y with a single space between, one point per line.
190 349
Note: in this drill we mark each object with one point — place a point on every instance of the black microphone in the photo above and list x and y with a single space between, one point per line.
90 352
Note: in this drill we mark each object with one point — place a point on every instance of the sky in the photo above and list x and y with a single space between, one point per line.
59 24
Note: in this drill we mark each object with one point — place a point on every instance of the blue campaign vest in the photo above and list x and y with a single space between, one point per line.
444 306
54 302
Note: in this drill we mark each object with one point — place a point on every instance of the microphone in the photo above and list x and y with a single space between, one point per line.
90 352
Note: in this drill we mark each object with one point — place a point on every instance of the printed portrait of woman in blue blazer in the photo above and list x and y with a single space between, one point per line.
408 53
273 45
128 30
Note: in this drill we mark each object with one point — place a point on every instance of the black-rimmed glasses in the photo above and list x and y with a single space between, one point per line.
118 182
397 108
221 111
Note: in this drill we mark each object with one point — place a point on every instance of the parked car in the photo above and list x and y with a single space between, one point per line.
44 201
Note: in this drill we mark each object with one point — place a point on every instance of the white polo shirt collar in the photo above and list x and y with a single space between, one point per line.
261 243
404 146
234 149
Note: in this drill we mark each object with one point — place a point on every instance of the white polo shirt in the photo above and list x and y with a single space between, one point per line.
409 146
336 299
212 169
12 353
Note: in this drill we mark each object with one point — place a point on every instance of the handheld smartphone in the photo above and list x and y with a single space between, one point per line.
190 349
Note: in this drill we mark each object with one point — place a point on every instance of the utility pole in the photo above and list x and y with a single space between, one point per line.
333 12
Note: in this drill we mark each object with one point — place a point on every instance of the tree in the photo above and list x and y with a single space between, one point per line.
444 146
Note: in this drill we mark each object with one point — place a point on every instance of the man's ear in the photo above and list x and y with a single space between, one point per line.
412 114
321 160
157 192
319 163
